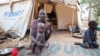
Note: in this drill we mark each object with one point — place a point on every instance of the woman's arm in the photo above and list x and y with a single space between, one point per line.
48 32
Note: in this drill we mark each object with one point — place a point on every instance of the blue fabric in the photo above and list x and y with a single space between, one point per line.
95 45
89 39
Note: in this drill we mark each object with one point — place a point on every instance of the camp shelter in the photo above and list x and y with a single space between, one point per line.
61 13
16 15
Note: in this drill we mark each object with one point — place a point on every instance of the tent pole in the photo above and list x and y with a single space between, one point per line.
72 22
11 5
34 2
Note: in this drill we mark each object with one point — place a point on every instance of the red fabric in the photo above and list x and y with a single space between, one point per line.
14 52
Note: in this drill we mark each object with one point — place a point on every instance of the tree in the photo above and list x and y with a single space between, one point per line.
93 4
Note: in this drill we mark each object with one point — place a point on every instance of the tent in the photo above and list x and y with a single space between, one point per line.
15 15
65 10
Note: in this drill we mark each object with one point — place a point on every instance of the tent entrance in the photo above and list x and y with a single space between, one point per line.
52 18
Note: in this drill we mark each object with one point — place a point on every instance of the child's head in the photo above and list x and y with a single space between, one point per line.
93 25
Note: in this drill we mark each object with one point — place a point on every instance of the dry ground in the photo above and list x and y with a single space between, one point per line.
58 37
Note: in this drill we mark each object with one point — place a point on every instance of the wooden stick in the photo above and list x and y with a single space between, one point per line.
72 22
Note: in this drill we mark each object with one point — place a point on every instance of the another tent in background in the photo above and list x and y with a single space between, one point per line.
61 13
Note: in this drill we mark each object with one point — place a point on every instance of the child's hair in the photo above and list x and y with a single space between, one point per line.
92 24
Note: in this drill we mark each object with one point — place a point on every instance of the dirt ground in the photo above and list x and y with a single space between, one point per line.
58 36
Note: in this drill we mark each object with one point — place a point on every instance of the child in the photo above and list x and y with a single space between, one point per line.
40 38
90 36
40 34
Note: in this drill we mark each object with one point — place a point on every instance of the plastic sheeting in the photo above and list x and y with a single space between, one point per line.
16 20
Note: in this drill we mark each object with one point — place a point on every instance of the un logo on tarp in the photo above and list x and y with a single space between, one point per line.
54 48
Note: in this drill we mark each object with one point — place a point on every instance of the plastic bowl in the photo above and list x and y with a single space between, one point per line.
5 51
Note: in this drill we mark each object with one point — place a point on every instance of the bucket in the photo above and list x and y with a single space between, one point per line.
72 28
98 28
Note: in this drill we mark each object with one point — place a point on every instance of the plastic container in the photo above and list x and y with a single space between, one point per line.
14 52
72 28
98 28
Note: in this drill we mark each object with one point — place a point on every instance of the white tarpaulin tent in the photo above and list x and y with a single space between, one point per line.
16 20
